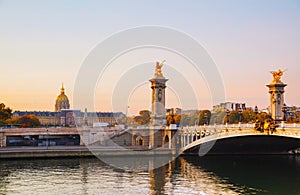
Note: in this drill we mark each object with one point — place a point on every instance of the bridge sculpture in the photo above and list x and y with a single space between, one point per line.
193 137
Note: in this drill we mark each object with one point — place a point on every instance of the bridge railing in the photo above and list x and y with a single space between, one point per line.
289 125
240 125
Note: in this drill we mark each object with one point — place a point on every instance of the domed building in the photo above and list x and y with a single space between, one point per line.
62 101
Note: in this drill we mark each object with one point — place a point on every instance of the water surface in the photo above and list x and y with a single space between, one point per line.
184 175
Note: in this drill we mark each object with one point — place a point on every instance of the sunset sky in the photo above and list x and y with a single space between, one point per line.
44 43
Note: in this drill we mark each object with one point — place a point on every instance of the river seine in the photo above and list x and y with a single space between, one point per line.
184 175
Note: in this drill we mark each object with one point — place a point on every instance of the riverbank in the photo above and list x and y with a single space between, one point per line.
77 151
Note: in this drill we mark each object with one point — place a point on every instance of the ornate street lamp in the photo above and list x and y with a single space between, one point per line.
240 114
284 109
255 112
227 116
205 118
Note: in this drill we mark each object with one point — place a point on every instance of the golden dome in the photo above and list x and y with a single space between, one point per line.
62 101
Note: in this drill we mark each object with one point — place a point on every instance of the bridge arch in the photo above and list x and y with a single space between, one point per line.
139 141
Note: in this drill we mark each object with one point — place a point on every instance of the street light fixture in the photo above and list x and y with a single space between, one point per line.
227 116
205 118
240 114
284 109
256 112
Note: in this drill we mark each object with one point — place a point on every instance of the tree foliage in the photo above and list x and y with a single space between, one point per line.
143 117
174 119
5 114
247 116
217 117
177 118
204 117
28 120
192 118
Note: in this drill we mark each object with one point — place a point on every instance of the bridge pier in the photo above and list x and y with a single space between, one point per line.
2 139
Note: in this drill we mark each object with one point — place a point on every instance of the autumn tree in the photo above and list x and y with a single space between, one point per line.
177 118
5 114
143 117
248 116
262 116
28 120
170 119
204 117
292 117
193 118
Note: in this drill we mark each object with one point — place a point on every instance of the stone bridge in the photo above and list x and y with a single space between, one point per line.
239 138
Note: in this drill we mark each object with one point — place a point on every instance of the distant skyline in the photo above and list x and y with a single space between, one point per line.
44 43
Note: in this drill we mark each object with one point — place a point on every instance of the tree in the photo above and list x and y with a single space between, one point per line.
177 118
143 118
145 114
28 120
174 119
218 117
194 118
263 116
170 119
233 117
5 114
185 119
248 116
204 117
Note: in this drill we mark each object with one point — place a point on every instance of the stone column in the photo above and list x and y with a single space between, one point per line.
276 90
158 116
84 137
2 140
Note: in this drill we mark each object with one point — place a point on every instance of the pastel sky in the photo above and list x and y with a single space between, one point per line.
44 43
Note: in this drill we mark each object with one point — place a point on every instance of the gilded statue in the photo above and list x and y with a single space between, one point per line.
158 72
277 75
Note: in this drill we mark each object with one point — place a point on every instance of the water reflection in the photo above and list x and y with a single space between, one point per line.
184 175
278 174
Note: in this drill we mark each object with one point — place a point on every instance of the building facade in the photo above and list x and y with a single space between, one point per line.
229 106
64 116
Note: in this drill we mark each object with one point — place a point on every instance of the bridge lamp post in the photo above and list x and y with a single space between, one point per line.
205 119
188 120
284 109
240 115
227 116
256 112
